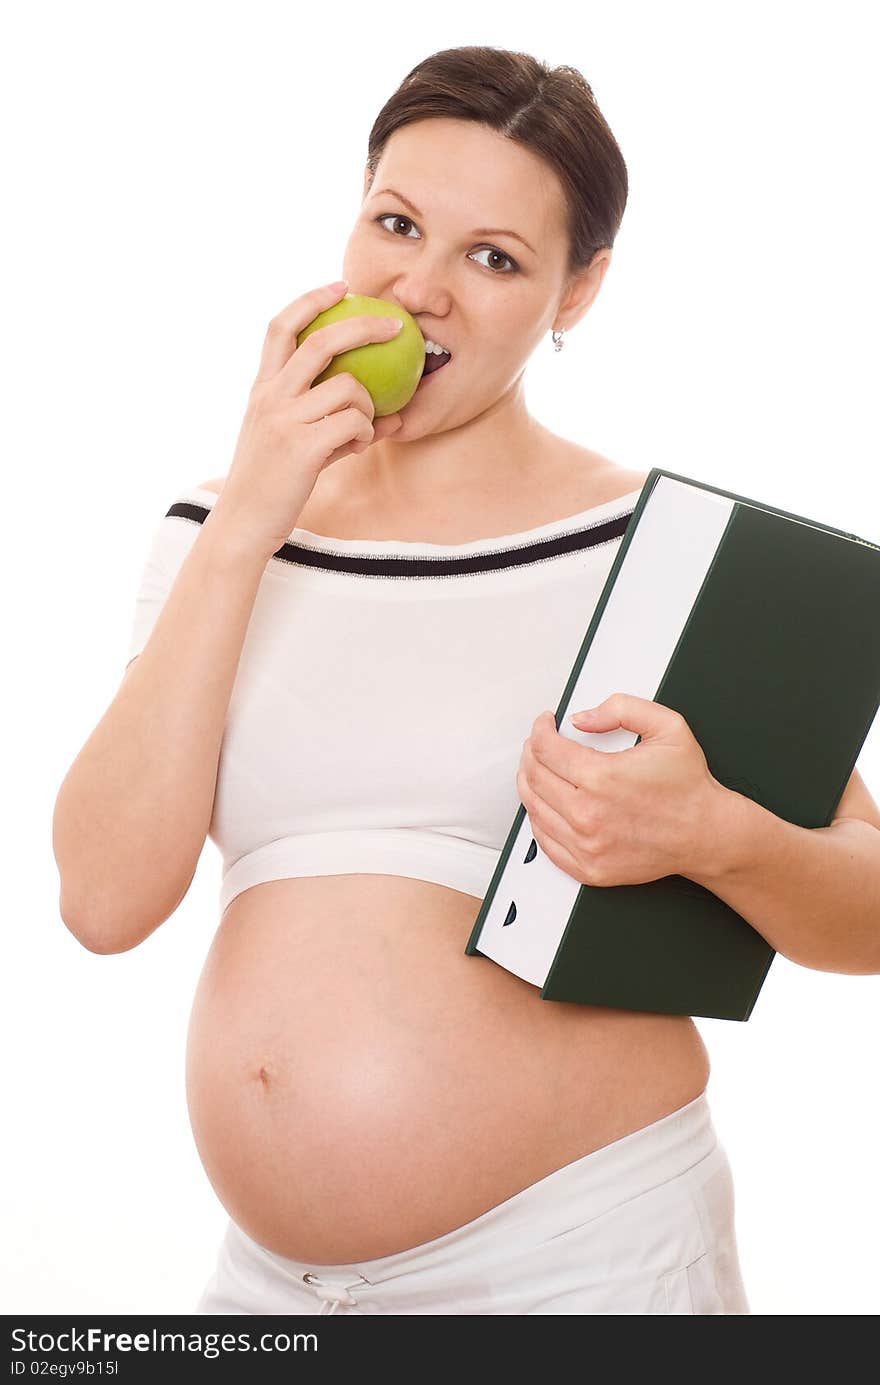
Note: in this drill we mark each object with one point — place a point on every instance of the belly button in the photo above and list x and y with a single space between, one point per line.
264 1077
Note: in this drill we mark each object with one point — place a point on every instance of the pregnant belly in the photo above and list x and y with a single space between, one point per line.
357 1085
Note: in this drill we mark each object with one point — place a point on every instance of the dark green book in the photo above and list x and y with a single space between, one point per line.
762 628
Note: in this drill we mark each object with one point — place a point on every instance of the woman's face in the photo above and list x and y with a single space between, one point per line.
486 296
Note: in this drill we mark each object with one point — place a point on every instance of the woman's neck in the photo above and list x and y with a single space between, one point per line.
499 452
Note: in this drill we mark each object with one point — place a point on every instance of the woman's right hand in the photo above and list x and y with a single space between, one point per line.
293 428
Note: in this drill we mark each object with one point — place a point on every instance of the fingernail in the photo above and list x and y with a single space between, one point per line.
393 324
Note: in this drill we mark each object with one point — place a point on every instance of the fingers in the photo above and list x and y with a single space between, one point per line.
284 329
383 427
386 426
338 393
320 347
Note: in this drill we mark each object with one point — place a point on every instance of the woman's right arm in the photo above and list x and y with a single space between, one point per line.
134 809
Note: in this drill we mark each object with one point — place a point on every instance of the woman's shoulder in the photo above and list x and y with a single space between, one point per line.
215 485
594 478
618 481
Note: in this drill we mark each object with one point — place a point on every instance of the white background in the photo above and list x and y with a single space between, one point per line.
175 175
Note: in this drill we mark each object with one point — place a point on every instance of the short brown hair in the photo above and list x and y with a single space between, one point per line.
551 111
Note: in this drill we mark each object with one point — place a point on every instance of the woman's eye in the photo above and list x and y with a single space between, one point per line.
392 216
486 250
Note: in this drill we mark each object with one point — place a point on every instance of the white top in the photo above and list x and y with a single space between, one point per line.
385 689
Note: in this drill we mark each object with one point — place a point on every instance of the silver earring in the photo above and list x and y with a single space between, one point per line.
558 343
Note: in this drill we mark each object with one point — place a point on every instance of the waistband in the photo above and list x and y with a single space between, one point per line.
569 1196
434 856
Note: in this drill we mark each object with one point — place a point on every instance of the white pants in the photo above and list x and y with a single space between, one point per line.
642 1225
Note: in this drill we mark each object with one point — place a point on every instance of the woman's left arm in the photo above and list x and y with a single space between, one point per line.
654 809
812 892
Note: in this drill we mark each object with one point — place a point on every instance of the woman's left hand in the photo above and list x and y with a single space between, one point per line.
620 817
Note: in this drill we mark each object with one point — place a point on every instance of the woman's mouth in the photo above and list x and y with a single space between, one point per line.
433 363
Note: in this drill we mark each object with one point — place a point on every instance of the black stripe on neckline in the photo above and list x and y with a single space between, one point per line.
369 565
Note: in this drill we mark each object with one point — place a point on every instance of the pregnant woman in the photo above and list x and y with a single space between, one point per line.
340 653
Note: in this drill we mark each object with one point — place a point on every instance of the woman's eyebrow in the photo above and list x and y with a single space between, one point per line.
477 230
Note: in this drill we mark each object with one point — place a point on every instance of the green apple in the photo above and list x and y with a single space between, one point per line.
389 370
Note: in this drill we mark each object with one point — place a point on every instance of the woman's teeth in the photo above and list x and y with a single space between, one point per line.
435 348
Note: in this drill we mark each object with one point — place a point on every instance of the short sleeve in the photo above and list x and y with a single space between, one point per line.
172 540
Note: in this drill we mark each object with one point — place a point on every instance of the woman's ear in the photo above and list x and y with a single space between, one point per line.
582 289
